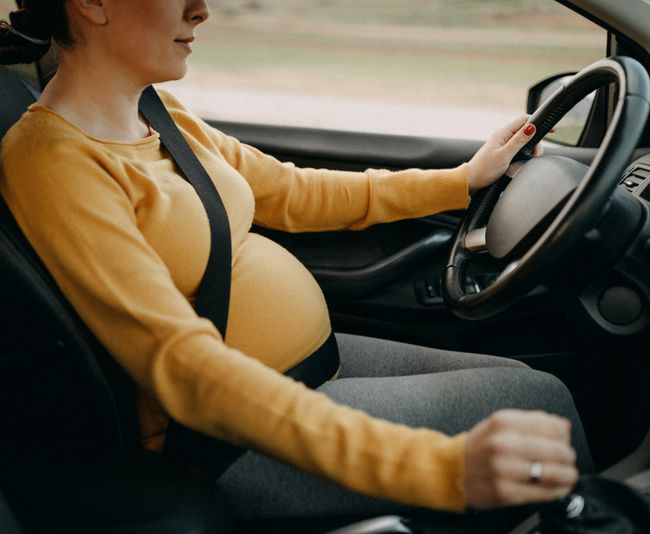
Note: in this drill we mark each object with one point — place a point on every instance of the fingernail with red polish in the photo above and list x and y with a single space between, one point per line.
529 129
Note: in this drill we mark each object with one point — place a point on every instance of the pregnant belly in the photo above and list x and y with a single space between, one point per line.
277 311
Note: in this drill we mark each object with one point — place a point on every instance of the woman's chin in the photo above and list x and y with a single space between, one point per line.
168 75
180 74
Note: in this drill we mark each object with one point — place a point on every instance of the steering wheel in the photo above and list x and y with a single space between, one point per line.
535 221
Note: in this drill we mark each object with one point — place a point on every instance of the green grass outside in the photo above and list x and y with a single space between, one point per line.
483 52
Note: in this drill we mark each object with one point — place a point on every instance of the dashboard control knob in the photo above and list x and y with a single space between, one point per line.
620 305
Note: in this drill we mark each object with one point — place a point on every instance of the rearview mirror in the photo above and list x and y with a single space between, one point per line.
570 129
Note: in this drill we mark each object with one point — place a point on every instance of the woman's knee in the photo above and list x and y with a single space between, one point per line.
541 390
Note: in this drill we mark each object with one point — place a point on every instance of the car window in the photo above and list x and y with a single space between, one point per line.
448 69
453 69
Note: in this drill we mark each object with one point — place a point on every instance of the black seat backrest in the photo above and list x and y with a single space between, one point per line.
16 95
7 519
58 386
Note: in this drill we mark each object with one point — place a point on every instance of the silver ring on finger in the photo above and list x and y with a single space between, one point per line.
535 473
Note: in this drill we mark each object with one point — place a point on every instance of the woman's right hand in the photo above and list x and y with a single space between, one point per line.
500 453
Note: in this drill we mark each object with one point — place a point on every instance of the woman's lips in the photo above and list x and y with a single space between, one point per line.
186 44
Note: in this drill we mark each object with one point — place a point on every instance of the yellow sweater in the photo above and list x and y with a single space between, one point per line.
127 240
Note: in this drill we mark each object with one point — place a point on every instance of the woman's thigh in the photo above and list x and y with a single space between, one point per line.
373 357
452 402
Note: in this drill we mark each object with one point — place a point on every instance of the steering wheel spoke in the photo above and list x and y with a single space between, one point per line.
475 241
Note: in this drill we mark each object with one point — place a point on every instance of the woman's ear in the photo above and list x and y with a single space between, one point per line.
93 11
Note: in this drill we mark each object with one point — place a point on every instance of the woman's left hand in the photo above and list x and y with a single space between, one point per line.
494 157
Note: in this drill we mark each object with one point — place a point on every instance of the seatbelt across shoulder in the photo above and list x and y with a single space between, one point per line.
213 296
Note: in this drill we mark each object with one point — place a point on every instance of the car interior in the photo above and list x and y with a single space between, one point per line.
577 307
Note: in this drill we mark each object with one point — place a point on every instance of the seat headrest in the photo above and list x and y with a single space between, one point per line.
15 96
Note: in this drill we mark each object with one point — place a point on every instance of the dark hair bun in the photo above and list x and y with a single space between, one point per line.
40 19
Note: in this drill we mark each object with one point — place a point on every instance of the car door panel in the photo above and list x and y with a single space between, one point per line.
351 149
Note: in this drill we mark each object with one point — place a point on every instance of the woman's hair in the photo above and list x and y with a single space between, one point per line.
40 20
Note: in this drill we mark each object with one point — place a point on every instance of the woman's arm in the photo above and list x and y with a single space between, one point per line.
305 199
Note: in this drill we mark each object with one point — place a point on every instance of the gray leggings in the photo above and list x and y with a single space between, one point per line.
417 386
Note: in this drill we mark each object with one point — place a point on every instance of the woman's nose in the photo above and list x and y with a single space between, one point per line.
198 11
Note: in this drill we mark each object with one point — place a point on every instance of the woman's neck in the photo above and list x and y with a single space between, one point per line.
99 101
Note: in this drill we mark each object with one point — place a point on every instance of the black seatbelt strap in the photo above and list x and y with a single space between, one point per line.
213 296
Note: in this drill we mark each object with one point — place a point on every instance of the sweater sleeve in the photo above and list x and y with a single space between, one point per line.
81 221
304 199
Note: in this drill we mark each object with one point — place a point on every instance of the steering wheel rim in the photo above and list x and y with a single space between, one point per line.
582 208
